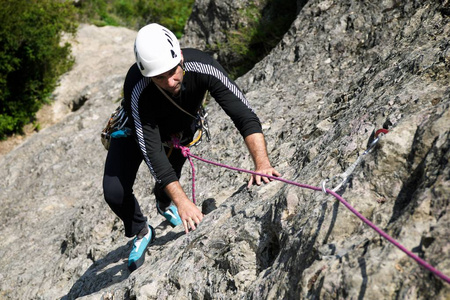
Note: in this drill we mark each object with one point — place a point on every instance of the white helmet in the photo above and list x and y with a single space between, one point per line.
156 49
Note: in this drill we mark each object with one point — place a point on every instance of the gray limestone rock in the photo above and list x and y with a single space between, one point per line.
343 70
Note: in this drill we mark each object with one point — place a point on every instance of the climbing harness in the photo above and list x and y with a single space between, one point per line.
186 153
347 175
115 126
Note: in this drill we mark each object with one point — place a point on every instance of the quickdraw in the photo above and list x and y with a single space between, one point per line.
346 176
201 127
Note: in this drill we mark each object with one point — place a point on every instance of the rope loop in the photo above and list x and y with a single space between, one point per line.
184 149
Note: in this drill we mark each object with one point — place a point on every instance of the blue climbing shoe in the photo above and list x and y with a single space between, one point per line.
137 254
171 215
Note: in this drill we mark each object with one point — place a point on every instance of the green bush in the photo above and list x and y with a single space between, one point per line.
32 57
134 14
172 14
256 37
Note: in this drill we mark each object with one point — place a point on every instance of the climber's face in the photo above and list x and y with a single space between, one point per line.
171 80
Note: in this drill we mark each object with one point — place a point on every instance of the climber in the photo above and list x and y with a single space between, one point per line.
163 91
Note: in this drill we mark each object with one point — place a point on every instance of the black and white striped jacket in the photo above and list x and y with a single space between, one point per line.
154 118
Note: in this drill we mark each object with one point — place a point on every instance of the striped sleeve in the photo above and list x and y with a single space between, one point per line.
135 94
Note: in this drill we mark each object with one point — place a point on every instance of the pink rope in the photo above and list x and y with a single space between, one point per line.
186 153
193 176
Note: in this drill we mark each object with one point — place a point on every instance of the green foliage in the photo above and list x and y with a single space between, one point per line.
31 57
258 33
97 12
240 39
134 14
173 14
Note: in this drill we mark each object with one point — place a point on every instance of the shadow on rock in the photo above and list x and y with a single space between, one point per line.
209 205
102 274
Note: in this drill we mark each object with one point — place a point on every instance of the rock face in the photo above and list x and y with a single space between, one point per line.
212 21
343 70
227 29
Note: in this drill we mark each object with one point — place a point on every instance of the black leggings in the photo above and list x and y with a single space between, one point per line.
121 166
